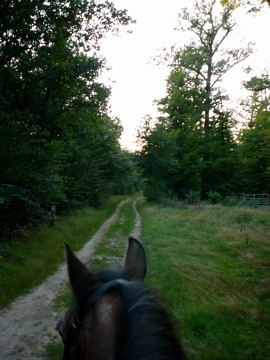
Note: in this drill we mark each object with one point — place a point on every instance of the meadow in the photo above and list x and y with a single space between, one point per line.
211 265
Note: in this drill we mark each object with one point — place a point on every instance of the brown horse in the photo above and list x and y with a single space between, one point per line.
115 315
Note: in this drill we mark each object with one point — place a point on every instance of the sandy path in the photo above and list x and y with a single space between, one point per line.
30 321
137 230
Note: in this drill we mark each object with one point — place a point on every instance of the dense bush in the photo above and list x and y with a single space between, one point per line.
230 200
153 192
193 197
214 197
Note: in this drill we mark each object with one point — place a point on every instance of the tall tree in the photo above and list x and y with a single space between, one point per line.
194 106
205 61
255 154
158 158
255 139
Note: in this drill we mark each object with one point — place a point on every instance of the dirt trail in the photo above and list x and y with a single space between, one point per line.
137 230
28 324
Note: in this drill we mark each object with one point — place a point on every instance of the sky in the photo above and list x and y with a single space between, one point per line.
135 78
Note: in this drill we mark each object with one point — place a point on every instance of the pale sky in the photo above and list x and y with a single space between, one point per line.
136 80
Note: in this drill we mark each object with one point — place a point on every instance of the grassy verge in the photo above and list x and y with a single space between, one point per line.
212 267
38 253
109 252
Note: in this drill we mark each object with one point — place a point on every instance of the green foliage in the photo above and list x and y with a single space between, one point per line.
153 192
158 159
252 6
53 351
254 150
205 62
244 218
174 153
192 146
255 154
57 142
127 178
193 197
230 200
214 197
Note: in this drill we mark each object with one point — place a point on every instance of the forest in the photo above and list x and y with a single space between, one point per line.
59 146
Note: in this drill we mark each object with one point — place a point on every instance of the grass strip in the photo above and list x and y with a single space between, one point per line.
38 253
111 249
211 266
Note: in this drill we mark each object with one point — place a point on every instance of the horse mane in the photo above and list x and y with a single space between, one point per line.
146 332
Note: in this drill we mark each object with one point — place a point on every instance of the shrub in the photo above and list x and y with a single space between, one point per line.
230 201
193 197
244 219
153 192
214 197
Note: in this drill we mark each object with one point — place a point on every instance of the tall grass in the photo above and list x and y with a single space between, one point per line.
215 282
38 253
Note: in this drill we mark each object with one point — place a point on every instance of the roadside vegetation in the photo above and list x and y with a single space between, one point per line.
37 253
211 266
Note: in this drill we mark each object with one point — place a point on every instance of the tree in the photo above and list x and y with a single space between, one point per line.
206 61
194 109
255 154
260 94
253 5
182 109
53 109
254 140
157 158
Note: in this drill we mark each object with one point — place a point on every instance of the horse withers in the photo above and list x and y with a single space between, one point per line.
115 315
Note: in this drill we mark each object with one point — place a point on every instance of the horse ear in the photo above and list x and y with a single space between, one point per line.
78 273
135 262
